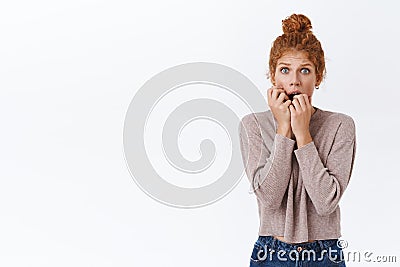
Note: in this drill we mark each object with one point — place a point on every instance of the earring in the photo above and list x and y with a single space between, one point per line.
317 87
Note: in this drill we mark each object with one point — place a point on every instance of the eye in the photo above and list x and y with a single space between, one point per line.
284 70
305 70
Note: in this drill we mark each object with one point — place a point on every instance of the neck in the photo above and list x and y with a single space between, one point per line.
314 110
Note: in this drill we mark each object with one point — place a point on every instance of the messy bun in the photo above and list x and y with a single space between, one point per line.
296 23
297 35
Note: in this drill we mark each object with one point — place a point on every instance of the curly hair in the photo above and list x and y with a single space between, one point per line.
297 36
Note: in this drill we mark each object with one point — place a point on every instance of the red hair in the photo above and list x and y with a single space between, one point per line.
297 36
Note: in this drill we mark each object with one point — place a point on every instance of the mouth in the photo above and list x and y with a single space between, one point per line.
292 94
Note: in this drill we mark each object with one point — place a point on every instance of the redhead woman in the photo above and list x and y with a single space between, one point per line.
298 157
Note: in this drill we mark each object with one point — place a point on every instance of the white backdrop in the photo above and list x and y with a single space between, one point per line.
68 72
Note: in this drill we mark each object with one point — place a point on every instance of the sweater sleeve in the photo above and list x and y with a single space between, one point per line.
267 163
325 184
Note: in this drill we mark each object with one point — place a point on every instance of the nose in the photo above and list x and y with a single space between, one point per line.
295 81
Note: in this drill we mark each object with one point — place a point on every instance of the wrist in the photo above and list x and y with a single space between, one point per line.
303 140
284 130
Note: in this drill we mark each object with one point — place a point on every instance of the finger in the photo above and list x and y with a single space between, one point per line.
302 102
273 94
307 101
292 109
276 92
296 104
287 103
269 93
309 105
282 97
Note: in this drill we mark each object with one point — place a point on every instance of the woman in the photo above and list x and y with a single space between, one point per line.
297 157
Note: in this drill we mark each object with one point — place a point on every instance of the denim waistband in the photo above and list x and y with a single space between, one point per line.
276 244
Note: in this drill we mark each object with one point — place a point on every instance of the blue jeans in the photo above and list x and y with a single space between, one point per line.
269 251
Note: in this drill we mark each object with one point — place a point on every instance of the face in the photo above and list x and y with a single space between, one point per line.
295 73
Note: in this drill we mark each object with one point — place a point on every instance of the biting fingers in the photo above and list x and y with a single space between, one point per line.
296 104
281 97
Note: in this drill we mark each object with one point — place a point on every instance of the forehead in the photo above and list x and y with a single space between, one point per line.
294 57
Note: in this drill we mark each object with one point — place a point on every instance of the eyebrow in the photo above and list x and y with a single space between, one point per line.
287 64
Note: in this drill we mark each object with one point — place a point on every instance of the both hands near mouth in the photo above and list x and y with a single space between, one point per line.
292 112
291 95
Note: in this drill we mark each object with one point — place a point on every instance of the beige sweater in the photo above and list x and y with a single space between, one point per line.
298 190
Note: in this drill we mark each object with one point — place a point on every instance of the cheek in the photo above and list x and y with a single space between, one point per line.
281 79
310 82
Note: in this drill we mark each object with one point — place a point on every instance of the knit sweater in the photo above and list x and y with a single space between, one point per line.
298 189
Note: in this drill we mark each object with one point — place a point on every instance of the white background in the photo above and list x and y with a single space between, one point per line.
68 71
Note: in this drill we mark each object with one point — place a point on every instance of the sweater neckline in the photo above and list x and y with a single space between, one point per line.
316 113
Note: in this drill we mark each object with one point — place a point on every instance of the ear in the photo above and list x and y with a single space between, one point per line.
272 79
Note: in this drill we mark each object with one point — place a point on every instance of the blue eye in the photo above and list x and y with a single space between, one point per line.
284 70
305 70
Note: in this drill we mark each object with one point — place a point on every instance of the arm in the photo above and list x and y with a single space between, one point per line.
326 184
268 167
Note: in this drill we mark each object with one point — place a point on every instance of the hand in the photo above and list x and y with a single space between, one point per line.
279 104
300 116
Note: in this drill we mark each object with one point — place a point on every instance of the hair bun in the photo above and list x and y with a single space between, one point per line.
296 23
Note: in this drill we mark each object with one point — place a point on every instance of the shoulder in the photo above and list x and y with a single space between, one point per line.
262 118
256 117
342 118
257 120
333 115
345 123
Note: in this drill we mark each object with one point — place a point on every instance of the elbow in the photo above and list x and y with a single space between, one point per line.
325 209
271 205
328 203
270 197
268 202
